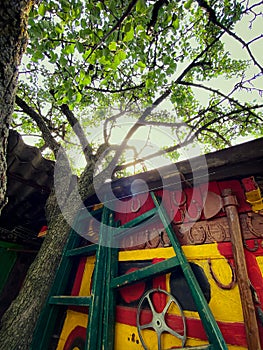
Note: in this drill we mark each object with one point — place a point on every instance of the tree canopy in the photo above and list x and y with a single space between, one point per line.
192 67
90 62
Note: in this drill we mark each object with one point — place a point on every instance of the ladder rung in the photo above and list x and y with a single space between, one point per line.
201 347
84 215
139 219
161 267
70 300
82 250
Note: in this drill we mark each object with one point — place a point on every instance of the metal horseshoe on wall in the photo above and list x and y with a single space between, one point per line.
182 208
133 208
198 212
182 199
252 229
220 284
254 249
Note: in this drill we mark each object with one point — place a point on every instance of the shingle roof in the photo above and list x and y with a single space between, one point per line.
30 179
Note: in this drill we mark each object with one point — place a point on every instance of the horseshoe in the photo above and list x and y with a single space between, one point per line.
182 199
221 285
182 214
254 249
135 209
154 242
257 233
158 322
198 212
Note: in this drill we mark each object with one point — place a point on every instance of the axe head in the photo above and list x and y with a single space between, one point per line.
212 205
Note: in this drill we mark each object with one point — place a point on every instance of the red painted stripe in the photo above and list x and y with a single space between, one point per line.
79 276
159 299
233 332
78 332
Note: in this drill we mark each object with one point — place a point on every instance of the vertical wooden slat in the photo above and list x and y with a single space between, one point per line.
252 333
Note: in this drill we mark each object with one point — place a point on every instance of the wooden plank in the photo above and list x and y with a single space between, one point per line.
82 251
69 300
250 320
161 267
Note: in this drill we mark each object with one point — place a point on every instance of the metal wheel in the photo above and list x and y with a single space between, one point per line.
158 322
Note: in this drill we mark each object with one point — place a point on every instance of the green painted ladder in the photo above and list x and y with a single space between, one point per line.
101 303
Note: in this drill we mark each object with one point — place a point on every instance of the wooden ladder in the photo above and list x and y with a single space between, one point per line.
106 281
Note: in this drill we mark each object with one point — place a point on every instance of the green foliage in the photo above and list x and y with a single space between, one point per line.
93 55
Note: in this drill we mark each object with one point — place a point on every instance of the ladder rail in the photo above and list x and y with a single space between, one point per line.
211 327
102 301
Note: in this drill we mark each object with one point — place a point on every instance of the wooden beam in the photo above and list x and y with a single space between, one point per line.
250 320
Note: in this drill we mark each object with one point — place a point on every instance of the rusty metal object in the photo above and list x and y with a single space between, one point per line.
255 224
164 239
217 232
228 286
137 208
213 204
197 235
134 241
204 232
198 211
249 313
153 239
182 199
254 249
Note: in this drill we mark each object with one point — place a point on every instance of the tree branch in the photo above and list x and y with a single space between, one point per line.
116 90
213 18
118 23
227 97
74 123
47 136
148 110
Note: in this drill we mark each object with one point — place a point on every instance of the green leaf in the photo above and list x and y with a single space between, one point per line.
59 28
42 9
112 46
78 97
188 4
63 61
149 83
140 6
121 55
139 28
129 35
80 47
38 55
84 78
176 23
141 64
53 57
69 49
84 33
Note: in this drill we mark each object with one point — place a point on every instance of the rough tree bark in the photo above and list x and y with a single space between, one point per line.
13 39
19 321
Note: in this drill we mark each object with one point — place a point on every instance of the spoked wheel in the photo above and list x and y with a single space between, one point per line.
158 322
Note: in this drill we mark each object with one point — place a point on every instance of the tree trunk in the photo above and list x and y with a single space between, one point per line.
13 39
19 321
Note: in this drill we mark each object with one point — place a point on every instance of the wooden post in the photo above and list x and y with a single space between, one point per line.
250 321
